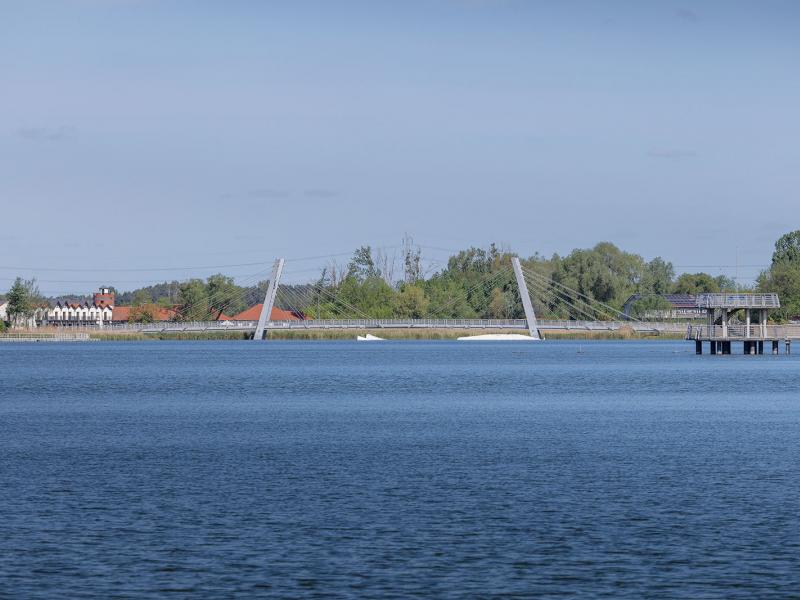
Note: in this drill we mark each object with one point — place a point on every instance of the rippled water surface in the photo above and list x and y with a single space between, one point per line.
219 469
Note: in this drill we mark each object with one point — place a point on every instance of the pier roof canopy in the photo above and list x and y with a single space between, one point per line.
738 301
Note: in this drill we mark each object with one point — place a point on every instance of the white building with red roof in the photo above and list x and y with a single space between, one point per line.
99 311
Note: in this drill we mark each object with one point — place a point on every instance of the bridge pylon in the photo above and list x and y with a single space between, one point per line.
269 299
530 316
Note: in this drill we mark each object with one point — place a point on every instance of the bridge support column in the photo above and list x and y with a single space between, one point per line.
530 316
269 300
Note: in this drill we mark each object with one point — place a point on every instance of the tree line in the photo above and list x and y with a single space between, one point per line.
475 283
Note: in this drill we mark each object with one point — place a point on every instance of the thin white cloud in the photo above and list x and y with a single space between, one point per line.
44 134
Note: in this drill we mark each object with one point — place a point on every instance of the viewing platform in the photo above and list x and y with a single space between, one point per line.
740 317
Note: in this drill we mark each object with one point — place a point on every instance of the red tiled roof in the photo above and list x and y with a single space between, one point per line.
277 314
123 313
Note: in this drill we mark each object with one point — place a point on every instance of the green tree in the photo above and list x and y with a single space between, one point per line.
141 298
657 276
224 296
727 284
782 278
362 265
372 297
22 299
411 302
696 283
649 306
787 248
501 304
603 273
142 313
193 299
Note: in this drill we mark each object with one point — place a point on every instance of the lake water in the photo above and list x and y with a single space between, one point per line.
397 469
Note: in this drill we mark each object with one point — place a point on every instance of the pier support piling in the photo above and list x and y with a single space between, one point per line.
775 347
698 347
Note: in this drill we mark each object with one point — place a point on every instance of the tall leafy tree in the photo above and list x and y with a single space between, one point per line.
22 299
657 276
783 276
194 304
411 302
787 248
224 296
362 265
696 283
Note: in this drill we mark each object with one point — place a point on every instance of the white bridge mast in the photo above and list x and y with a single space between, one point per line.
269 299
530 316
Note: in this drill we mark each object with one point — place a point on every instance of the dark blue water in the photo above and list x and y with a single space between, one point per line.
398 469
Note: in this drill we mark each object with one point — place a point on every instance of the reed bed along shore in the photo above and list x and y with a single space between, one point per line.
389 334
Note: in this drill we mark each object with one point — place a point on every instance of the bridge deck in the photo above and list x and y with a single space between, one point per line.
360 324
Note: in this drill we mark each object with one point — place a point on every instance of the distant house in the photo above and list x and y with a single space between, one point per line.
96 312
277 314
124 314
683 307
3 311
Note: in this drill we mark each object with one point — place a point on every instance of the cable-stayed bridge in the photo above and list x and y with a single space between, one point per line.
512 325
532 288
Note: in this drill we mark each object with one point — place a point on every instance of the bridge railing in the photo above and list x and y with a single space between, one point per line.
322 324
400 323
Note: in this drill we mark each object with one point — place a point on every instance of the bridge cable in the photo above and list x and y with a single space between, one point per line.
464 293
560 297
556 299
575 292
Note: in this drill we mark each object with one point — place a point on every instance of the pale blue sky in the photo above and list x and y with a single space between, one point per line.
136 133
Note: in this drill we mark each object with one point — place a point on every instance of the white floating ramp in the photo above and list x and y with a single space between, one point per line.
369 338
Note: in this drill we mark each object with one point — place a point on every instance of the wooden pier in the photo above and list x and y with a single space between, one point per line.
741 318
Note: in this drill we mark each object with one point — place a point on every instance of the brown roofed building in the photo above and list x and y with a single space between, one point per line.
146 312
105 297
277 314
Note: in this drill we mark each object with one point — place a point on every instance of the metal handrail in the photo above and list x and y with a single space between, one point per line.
737 301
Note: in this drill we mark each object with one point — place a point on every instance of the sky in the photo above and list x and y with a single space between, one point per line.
138 135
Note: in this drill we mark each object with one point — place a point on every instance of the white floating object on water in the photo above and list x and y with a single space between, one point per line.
499 337
370 338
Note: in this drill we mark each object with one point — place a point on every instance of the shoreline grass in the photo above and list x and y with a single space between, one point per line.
389 334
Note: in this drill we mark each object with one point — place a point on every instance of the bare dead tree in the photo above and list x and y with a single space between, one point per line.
386 264
412 260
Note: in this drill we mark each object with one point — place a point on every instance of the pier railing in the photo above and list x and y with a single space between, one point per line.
737 301
742 332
